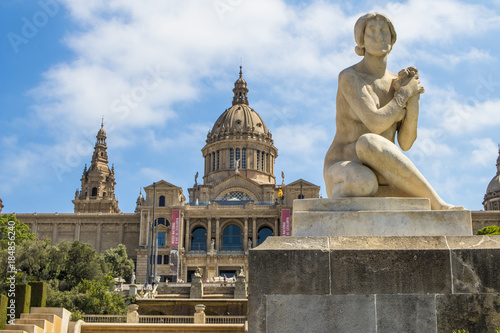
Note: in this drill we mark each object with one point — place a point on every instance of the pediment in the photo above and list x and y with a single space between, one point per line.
161 184
237 182
297 183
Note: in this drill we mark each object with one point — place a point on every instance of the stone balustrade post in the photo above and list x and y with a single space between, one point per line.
199 315
132 314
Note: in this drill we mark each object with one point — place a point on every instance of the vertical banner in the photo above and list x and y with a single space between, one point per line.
174 241
285 222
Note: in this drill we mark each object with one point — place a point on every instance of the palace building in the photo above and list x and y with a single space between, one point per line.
236 206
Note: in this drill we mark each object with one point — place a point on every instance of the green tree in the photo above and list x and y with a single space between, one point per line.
491 230
97 298
118 262
13 230
83 263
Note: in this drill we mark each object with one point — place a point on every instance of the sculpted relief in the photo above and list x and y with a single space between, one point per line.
374 107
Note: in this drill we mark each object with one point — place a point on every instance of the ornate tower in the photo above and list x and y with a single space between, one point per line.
97 193
492 197
239 142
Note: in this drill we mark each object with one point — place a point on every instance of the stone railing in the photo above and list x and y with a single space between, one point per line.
161 319
104 319
158 319
225 319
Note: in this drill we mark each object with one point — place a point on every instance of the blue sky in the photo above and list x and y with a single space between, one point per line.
67 63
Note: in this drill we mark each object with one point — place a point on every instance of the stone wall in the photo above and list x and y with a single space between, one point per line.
375 284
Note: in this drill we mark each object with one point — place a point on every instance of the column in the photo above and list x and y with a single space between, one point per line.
98 238
217 233
209 233
187 235
77 230
255 240
245 235
54 234
122 232
276 229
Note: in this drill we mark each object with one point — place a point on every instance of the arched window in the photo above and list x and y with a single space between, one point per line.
244 158
264 233
161 239
161 202
231 238
199 239
94 191
161 220
231 158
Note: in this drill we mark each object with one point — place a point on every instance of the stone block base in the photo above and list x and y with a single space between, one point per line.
375 284
377 217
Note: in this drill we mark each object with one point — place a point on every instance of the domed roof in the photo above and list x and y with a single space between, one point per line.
239 119
102 132
493 189
494 185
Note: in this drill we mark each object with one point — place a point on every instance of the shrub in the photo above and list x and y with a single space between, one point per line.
491 230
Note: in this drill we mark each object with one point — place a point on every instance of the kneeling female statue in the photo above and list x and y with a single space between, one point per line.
373 107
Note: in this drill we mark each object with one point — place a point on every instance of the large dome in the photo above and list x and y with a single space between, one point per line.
239 118
494 186
492 197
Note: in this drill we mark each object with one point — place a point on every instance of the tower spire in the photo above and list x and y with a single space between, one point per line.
98 181
240 90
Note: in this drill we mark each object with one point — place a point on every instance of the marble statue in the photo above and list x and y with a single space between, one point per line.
374 106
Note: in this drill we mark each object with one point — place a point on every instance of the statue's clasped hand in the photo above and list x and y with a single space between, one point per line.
409 78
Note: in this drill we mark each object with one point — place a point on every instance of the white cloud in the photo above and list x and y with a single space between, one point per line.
485 152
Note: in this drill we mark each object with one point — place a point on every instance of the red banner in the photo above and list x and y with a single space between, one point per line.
174 241
285 222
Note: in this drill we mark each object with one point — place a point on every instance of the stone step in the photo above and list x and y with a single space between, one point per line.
45 325
26 328
54 319
60 312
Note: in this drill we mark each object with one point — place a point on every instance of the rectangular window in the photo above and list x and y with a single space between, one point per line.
165 260
158 260
161 239
231 158
244 158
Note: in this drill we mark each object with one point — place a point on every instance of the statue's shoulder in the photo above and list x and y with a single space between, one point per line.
348 76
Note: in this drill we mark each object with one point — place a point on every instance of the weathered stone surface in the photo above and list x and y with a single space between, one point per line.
360 204
403 275
286 265
320 313
390 272
472 312
377 217
406 313
476 264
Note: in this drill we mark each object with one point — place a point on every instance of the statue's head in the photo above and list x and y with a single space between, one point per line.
360 26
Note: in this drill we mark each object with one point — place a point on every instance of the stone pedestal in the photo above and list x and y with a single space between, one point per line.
196 287
377 217
240 288
375 284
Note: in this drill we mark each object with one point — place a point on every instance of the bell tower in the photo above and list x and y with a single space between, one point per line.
97 194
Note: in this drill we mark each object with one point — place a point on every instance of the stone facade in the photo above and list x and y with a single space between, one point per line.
236 207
